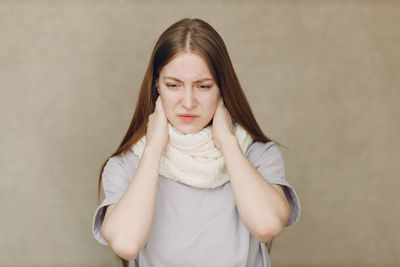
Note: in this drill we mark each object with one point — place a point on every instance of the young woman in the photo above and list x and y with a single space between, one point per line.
194 182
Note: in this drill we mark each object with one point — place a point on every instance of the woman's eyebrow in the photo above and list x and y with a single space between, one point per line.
198 81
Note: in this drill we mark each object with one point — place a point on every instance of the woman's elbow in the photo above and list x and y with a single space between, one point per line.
121 246
268 231
124 249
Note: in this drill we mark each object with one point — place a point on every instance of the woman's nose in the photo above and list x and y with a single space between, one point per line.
188 98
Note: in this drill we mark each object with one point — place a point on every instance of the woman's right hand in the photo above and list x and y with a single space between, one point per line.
157 128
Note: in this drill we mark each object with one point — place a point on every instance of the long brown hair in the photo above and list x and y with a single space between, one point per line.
189 35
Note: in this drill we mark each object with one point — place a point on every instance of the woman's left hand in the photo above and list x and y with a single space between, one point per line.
222 126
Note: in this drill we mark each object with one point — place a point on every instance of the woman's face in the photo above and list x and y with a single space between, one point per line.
188 92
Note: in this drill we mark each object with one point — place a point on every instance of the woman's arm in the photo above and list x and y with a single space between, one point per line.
262 206
126 226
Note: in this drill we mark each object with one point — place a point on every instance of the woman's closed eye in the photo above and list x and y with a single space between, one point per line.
203 86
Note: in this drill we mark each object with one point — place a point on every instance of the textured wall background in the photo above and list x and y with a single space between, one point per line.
321 76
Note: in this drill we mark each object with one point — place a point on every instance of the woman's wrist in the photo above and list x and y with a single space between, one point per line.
153 151
228 142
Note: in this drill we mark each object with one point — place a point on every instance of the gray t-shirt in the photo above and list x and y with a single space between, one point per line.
193 226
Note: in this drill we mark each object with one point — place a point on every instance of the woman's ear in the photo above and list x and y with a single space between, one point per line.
156 87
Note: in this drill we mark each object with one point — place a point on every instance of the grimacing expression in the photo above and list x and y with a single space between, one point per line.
188 92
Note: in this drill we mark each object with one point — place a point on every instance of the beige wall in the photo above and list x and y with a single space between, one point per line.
321 76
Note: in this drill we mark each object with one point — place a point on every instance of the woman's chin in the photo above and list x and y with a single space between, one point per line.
188 129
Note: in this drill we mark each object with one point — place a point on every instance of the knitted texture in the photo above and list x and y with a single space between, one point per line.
193 159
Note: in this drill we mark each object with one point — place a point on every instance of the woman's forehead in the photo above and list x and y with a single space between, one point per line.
187 66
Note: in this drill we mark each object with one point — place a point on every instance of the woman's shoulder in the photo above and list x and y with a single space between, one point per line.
258 148
124 157
126 162
259 152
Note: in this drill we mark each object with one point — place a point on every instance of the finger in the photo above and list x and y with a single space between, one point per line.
160 104
221 102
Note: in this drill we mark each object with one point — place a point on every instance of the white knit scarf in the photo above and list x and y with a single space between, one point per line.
193 159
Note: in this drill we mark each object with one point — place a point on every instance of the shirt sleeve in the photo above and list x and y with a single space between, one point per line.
267 159
115 180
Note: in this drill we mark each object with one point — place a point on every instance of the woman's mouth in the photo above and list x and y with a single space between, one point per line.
187 118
